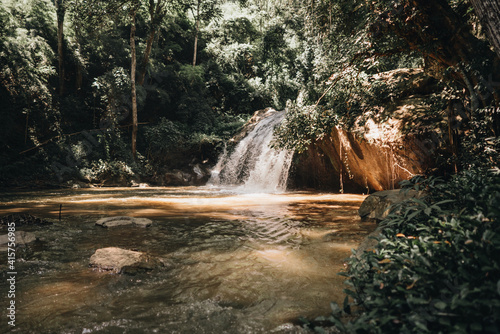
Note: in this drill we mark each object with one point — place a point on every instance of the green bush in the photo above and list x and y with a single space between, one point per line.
102 171
163 137
436 268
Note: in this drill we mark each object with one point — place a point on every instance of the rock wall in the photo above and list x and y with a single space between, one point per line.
345 162
372 156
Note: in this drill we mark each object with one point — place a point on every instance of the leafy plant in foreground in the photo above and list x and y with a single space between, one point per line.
436 268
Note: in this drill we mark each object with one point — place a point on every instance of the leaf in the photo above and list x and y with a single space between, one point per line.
400 235
476 327
320 330
412 215
440 305
421 325
409 287
384 261
347 307
417 301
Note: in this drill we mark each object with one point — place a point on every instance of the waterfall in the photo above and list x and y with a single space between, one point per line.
253 165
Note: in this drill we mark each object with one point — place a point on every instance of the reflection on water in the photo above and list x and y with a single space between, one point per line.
234 263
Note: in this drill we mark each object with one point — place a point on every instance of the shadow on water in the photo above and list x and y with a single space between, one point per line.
233 263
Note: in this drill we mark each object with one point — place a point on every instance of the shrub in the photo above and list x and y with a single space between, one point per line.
436 267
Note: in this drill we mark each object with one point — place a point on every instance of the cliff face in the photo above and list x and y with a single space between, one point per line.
348 163
372 157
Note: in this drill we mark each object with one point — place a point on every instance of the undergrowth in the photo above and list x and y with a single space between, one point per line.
436 267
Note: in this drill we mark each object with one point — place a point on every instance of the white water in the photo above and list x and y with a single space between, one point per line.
253 165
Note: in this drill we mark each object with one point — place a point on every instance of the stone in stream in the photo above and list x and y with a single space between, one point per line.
21 238
123 220
378 205
124 261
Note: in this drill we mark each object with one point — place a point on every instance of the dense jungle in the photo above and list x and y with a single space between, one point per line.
147 108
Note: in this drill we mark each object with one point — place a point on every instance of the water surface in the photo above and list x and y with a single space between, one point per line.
234 262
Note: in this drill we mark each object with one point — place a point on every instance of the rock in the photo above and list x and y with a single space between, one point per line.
120 260
258 116
123 220
21 238
378 205
136 184
368 244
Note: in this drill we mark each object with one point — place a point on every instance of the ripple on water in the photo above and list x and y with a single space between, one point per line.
235 263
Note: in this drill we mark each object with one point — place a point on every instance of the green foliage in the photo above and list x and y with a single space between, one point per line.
436 268
163 137
102 171
252 54
303 126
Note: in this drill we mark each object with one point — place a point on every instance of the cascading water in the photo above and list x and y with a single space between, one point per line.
253 165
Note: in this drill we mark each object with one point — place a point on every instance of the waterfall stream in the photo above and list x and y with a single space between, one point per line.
253 165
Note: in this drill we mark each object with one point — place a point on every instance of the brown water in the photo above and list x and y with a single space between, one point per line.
235 263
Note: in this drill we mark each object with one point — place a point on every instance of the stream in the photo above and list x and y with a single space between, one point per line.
234 262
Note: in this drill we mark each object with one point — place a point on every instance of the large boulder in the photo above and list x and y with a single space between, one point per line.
378 205
123 220
120 260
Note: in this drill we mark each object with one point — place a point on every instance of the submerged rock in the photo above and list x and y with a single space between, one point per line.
120 260
21 238
123 220
378 205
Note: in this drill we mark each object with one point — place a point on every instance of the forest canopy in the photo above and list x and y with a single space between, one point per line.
94 90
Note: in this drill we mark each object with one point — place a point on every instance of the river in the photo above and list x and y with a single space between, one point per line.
234 262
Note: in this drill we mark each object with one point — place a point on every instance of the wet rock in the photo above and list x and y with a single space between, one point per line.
21 238
378 205
123 261
134 184
123 220
73 184
258 116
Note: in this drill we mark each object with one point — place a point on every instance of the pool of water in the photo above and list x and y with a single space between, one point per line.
234 262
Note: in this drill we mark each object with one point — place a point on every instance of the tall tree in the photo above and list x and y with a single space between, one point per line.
197 30
133 65
126 12
157 11
202 10
61 12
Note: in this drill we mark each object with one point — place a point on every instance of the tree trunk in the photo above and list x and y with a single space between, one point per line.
79 77
133 66
61 11
196 32
156 13
145 58
488 12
